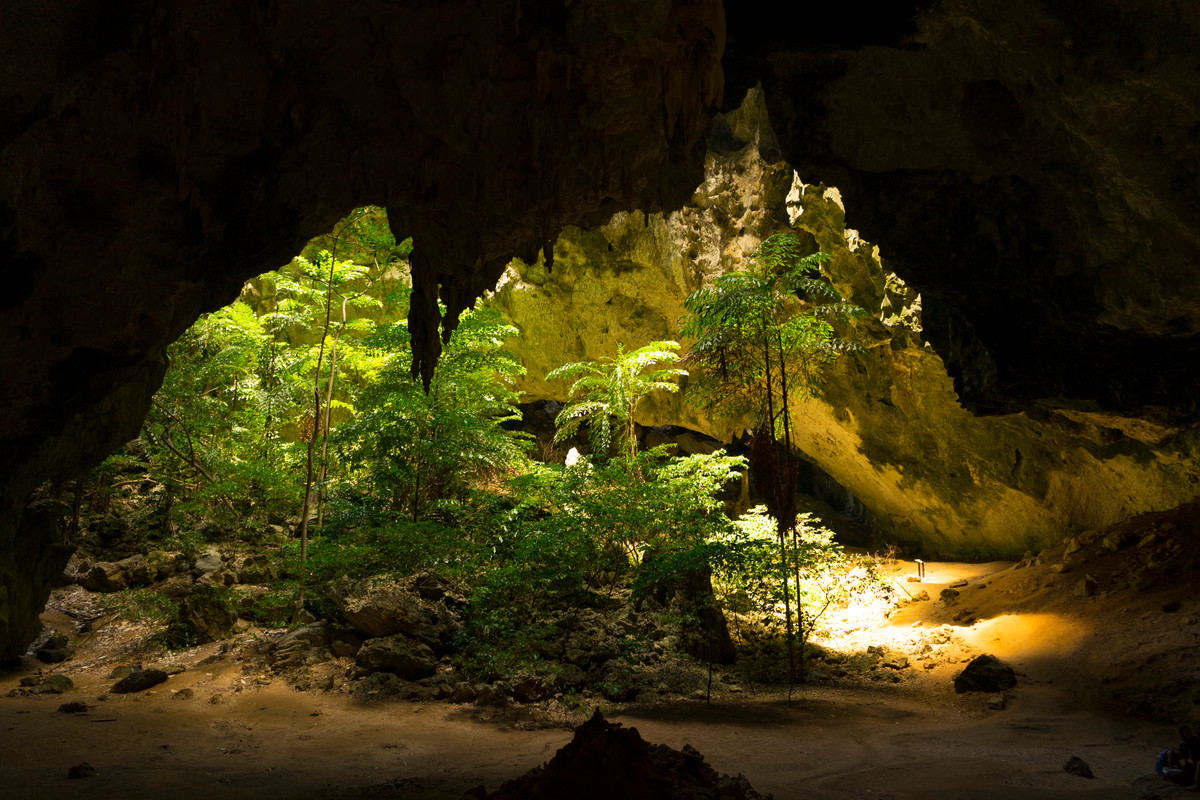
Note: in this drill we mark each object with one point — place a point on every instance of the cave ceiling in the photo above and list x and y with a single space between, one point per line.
1030 166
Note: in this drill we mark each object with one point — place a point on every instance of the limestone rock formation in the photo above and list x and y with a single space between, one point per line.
1030 167
889 426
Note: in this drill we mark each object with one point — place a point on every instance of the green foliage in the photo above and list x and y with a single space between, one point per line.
635 504
363 237
754 576
764 334
139 604
209 436
576 535
610 391
275 608
410 450
433 480
222 434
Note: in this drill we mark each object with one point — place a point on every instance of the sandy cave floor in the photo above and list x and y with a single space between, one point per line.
237 736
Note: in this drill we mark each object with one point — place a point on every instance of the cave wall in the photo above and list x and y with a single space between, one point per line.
153 155
1031 167
889 425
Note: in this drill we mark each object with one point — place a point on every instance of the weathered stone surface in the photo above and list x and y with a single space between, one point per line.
888 426
177 586
303 646
399 655
985 674
54 651
705 632
207 616
139 680
421 608
208 561
104 577
256 568
32 558
1027 166
54 684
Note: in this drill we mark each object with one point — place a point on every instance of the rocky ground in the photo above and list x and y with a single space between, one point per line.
1101 633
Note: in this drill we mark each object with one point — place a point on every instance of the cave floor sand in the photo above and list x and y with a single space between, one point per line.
912 739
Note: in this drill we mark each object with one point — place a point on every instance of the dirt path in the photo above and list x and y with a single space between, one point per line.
233 737
829 744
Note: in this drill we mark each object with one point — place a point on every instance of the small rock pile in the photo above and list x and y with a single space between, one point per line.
605 761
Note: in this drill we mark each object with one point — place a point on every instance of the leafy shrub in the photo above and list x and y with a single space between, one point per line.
751 576
139 604
410 449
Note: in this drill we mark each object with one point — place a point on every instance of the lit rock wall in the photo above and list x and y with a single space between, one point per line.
888 426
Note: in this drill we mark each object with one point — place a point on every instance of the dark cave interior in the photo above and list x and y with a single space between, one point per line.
1030 167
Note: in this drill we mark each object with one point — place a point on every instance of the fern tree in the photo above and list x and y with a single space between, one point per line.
210 434
411 450
312 289
605 395
763 337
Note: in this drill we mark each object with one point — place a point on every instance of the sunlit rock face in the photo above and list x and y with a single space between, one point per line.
155 155
1029 166
888 426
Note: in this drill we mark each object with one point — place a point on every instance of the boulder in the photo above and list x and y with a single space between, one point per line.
218 578
381 684
177 586
346 645
105 576
303 646
206 616
529 687
134 570
54 651
139 680
256 568
397 654
208 561
388 608
55 684
985 674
